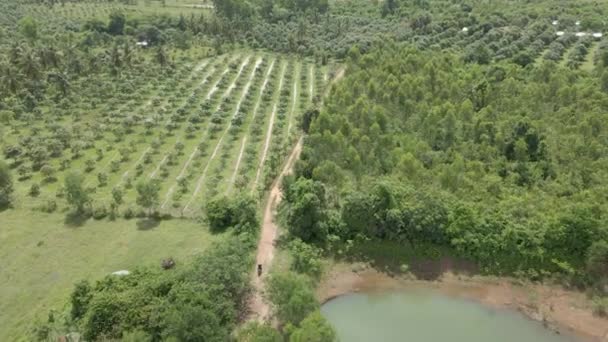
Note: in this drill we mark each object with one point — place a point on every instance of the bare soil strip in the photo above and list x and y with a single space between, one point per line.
260 309
269 132
244 93
213 90
294 100
256 108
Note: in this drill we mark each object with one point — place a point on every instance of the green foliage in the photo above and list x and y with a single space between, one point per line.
80 298
148 193
463 156
238 212
292 296
600 306
76 194
151 303
314 328
6 185
306 258
597 259
136 336
257 332
116 26
29 28
305 215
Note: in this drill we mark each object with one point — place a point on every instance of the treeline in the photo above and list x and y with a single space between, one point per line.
494 31
503 165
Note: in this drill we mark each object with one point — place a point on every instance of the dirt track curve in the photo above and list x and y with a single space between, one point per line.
259 308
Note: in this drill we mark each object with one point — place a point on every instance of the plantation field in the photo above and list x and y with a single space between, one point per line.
43 257
211 126
89 10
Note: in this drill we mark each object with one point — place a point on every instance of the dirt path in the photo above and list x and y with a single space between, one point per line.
258 307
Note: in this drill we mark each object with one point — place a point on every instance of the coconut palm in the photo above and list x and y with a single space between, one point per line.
9 77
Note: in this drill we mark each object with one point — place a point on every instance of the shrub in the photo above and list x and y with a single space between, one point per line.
34 190
292 296
600 306
306 258
239 212
128 213
100 212
49 206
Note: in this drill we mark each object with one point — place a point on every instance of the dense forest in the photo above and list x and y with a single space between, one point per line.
506 165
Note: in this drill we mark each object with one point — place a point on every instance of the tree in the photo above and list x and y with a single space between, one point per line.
314 328
306 258
161 56
239 212
6 185
257 332
80 298
28 27
116 26
76 194
292 296
597 259
47 171
306 211
117 196
147 194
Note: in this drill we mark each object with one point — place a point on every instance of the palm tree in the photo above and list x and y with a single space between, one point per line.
127 53
115 60
30 65
161 56
16 52
49 57
60 80
9 78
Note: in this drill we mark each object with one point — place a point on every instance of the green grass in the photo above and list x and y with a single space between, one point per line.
588 64
42 258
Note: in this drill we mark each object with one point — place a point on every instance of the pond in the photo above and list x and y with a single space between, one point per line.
424 315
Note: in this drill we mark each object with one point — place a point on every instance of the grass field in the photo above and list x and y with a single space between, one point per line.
42 258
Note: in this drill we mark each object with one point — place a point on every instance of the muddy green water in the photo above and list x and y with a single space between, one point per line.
421 316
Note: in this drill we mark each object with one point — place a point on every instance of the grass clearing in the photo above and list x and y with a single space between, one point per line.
43 258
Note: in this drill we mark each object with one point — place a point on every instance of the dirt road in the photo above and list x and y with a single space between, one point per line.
259 308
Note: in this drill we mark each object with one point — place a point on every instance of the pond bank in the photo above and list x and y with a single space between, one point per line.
559 310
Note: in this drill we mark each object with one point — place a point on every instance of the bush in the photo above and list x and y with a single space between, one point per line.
128 213
292 296
6 185
239 212
600 306
50 206
100 212
34 190
314 328
306 258
256 332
